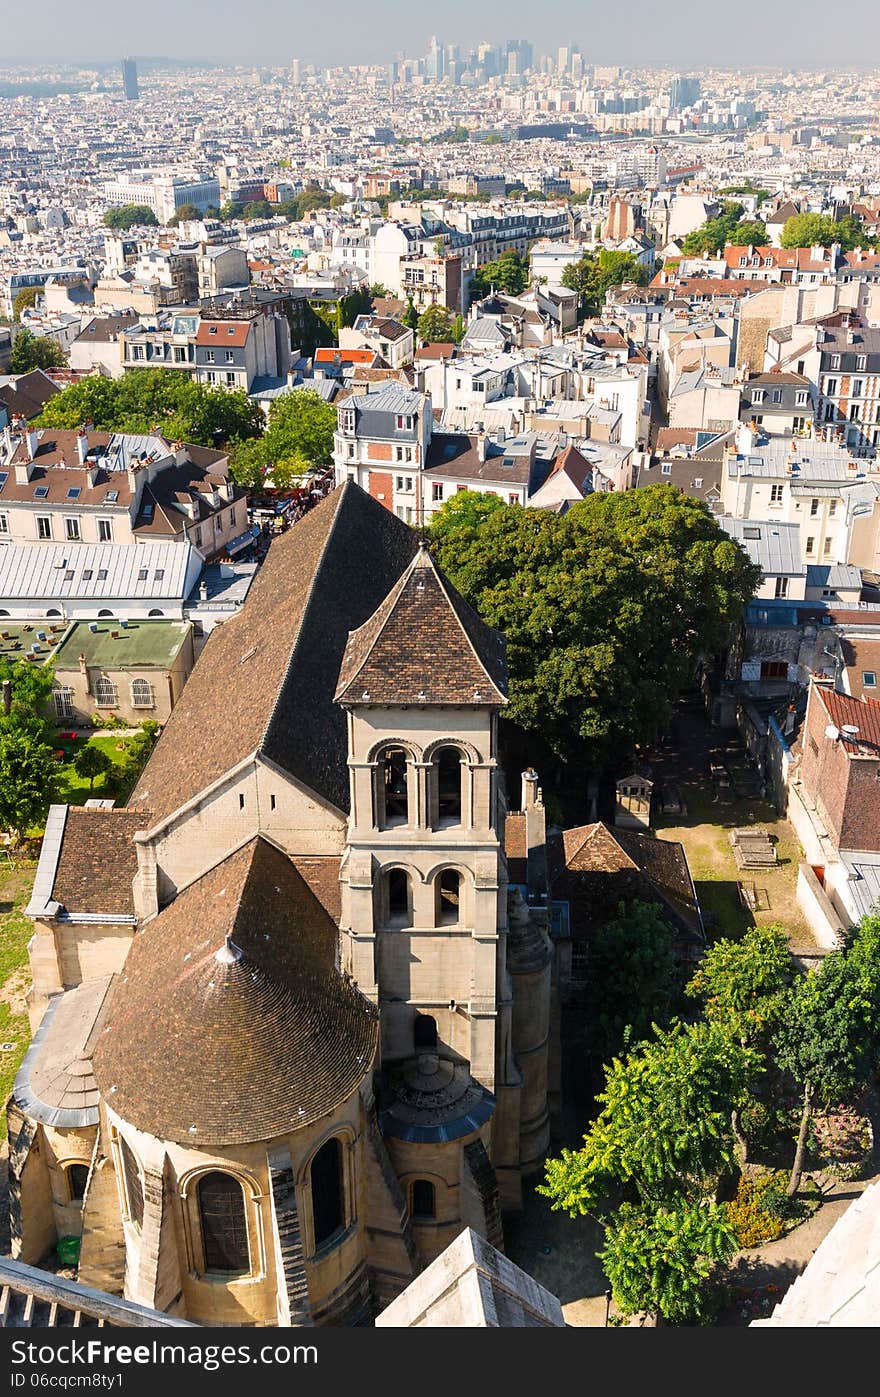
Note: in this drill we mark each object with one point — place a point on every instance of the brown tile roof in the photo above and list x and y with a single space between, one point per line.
456 456
29 393
424 644
230 1022
274 666
226 332
97 862
596 868
863 713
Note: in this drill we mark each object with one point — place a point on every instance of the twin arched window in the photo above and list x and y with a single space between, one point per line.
394 797
394 906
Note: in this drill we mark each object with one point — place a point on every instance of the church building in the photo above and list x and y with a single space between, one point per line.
292 1019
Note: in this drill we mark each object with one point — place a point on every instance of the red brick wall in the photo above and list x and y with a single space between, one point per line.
845 789
379 451
381 487
861 819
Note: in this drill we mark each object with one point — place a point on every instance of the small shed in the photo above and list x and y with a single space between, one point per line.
632 809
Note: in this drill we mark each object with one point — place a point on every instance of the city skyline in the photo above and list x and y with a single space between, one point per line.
345 37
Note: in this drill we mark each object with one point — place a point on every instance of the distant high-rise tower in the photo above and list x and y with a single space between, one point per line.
130 80
295 74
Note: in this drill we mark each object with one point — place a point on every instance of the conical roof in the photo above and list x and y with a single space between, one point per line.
423 645
230 1022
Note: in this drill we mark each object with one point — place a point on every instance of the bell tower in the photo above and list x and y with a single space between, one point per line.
424 894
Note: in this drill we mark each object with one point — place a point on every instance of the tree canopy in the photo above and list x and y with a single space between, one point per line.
594 274
742 984
183 215
728 227
27 763
435 325
26 298
127 216
298 439
820 230
509 273
149 399
30 351
604 608
633 979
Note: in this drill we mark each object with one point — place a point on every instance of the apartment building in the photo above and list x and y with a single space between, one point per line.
91 487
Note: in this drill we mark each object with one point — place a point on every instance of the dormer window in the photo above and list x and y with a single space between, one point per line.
212 329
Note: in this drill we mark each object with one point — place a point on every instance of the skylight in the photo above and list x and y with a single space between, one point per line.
111 497
41 492
4 476
74 492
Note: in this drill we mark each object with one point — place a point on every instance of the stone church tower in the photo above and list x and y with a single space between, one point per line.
293 1021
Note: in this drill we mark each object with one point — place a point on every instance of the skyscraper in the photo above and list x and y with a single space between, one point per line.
130 80
683 92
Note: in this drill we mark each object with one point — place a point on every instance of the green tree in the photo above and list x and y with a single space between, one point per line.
751 232
650 1164
594 274
257 208
30 351
337 201
231 210
509 273
743 984
728 227
183 215
31 688
377 289
435 325
125 216
410 316
27 779
829 1035
26 298
661 1260
147 399
91 761
664 1128
808 230
604 609
298 439
633 979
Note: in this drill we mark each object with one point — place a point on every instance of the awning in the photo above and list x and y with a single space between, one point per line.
242 541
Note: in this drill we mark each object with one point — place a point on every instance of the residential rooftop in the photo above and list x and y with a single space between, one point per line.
122 645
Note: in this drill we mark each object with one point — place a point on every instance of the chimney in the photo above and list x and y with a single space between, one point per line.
82 445
481 443
530 788
31 441
83 669
203 591
536 834
23 472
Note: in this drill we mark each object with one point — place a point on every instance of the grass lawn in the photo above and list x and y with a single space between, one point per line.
15 931
74 790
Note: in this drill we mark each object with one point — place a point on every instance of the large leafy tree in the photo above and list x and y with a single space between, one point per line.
661 1260
127 216
650 1164
819 230
829 1037
435 325
594 274
298 439
148 399
604 608
26 298
742 984
30 693
634 979
508 273
728 227
27 775
30 351
183 215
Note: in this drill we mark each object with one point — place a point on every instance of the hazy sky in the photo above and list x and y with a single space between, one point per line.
679 33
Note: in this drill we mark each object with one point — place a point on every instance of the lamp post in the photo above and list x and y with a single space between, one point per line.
607 1306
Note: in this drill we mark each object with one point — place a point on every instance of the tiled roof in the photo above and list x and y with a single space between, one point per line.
276 662
228 333
98 862
863 713
424 644
236 980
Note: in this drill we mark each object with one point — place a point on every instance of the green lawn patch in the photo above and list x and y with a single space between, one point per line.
115 784
15 931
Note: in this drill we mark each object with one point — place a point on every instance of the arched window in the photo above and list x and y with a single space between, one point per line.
392 789
328 1210
397 885
423 1199
448 772
223 1219
155 612
142 694
53 611
77 1178
4 613
134 1188
104 614
448 893
106 694
425 1032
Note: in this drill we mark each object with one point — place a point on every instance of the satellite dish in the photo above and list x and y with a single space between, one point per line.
832 732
